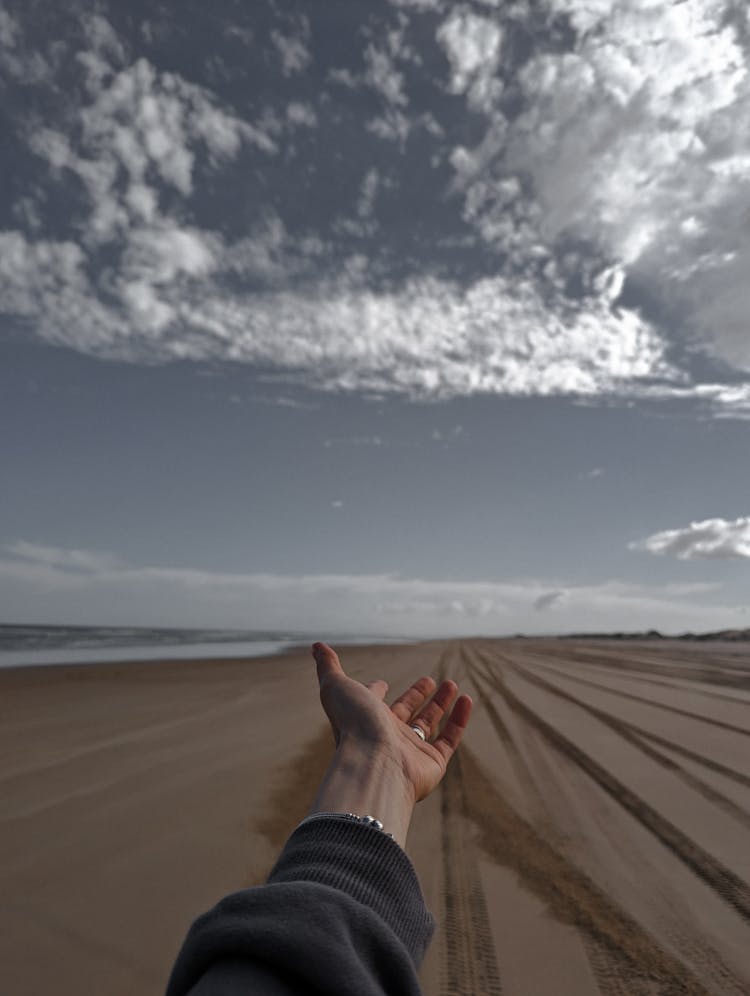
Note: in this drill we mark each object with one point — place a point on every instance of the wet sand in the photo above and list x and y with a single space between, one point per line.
592 834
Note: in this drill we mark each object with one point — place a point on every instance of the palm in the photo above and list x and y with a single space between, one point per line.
358 712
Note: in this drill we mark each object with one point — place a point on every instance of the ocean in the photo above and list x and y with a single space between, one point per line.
26 646
22 646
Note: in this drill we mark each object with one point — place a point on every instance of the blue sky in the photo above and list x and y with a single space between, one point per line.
412 318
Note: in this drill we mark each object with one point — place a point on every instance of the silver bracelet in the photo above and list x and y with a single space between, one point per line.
369 821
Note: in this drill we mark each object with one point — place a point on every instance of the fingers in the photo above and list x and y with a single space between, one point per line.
412 702
326 660
413 698
429 719
453 730
431 716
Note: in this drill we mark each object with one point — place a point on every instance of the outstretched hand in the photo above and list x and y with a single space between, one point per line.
359 714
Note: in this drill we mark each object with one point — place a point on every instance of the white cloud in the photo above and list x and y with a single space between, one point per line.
103 38
638 141
9 29
40 278
353 441
731 400
158 258
82 586
473 45
429 339
344 77
268 254
382 75
26 210
144 125
301 114
368 191
293 50
420 4
628 162
16 61
65 559
141 129
471 164
435 339
635 147
282 401
392 125
163 254
244 34
447 435
713 538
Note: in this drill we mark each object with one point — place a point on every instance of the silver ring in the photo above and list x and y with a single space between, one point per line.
419 731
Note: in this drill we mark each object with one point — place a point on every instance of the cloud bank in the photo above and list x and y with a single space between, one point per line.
78 586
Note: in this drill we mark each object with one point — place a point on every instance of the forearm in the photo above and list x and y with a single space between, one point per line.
342 910
368 782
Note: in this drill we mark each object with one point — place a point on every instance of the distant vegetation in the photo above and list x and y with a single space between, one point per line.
729 635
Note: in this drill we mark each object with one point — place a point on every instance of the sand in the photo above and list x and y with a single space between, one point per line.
592 833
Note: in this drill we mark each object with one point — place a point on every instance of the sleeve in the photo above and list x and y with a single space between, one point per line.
341 912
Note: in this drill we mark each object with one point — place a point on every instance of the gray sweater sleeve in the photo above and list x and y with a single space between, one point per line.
341 912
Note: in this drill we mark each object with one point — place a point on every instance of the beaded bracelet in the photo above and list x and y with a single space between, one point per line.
369 821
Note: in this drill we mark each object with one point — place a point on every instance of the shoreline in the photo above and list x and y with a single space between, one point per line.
183 653
215 665
153 654
148 653
152 657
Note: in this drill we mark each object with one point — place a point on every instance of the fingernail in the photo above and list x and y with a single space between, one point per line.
317 649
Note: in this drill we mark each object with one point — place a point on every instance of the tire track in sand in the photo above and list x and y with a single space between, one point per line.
730 677
515 753
634 735
625 958
628 961
728 886
611 979
469 960
721 769
699 717
469 965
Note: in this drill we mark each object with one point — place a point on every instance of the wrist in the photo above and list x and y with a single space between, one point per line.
367 781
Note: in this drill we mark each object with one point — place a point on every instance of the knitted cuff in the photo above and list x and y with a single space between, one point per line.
364 862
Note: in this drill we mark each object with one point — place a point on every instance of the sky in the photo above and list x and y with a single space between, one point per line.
407 318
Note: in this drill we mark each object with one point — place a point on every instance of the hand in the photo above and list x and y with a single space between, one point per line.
359 715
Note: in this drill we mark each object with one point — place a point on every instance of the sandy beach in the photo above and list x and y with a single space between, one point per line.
592 834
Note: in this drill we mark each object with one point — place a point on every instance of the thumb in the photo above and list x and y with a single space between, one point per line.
326 661
378 688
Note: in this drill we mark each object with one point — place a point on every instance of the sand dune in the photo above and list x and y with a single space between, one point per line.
594 828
